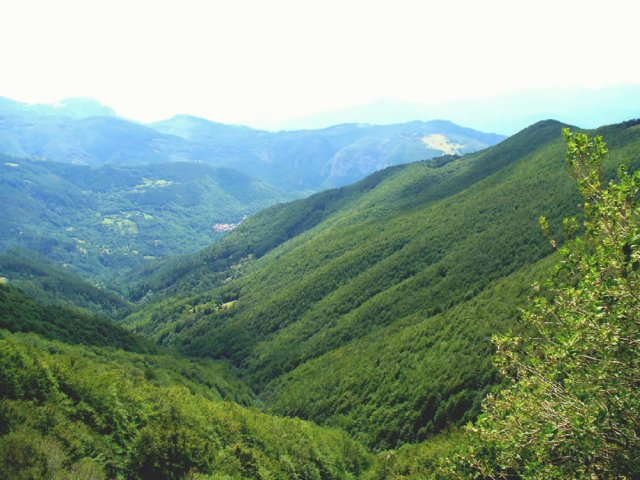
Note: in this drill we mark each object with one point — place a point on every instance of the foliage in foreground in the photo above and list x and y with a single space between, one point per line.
419 461
573 408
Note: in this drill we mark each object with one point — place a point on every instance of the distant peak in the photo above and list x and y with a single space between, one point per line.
548 123
81 107
179 122
184 116
74 107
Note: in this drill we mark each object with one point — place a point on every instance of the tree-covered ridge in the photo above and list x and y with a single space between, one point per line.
419 243
397 189
253 238
568 406
40 278
378 234
105 220
379 197
21 313
74 326
73 412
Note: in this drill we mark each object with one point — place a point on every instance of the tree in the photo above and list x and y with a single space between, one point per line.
572 405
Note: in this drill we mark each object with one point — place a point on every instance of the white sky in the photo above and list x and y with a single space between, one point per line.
260 62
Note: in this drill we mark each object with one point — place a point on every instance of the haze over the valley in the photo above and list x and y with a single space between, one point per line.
495 66
305 239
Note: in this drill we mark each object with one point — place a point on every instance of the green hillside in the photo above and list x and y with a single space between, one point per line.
365 279
21 313
414 378
256 236
103 220
367 223
75 327
52 284
80 412
96 401
399 191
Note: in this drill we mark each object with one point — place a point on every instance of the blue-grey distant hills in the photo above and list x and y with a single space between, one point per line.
96 137
76 107
84 132
507 113
329 157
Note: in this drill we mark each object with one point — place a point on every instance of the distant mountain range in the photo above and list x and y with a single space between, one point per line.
76 107
82 131
320 159
507 113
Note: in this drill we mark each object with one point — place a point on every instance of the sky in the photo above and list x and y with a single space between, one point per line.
264 62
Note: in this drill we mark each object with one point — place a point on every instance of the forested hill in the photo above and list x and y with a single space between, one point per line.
392 191
103 220
82 398
53 284
22 313
410 254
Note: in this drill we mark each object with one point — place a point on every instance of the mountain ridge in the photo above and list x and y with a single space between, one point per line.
506 113
296 161
74 107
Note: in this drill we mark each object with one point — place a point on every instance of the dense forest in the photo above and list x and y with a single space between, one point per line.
420 323
103 221
371 290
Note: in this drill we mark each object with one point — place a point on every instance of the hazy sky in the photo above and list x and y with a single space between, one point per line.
260 62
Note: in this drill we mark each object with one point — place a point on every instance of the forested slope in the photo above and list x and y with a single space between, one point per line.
401 256
382 195
104 220
95 401
412 379
51 283
75 412
368 309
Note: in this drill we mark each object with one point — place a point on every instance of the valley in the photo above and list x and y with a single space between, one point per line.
411 249
319 240
105 220
234 318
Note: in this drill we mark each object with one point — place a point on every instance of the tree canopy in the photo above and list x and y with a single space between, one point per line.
571 408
